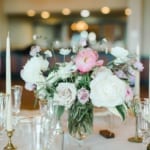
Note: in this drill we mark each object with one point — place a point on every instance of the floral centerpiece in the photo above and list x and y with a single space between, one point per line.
83 82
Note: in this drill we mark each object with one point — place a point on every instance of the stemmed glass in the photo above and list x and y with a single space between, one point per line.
16 92
47 129
144 121
136 108
3 99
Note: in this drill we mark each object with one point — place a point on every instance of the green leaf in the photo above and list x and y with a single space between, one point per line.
122 110
80 118
60 111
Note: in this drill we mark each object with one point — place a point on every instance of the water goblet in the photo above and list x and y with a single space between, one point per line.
144 122
3 99
16 92
136 108
43 107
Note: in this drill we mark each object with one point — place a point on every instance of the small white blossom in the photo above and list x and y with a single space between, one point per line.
121 55
64 51
35 50
48 53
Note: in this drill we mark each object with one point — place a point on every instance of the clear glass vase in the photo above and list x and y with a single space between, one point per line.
80 120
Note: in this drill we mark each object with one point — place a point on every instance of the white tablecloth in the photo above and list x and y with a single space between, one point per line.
123 130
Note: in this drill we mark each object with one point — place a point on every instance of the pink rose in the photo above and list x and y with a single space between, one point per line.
99 63
86 59
83 95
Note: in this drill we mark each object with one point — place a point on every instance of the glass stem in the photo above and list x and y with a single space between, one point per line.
136 125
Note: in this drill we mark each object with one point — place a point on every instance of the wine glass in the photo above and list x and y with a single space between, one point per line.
3 99
16 92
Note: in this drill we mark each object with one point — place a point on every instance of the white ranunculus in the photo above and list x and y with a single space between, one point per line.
107 90
121 55
32 71
65 94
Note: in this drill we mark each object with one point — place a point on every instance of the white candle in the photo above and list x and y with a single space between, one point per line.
137 78
149 78
8 85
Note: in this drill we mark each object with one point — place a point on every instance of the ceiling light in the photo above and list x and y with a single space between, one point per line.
85 13
79 26
105 10
66 11
45 14
73 26
128 11
31 13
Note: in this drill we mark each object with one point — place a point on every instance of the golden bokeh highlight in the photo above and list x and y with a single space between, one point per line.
79 26
31 13
45 14
105 10
66 11
128 12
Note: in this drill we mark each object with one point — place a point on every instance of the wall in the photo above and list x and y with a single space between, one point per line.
146 29
20 32
13 6
3 26
138 26
134 25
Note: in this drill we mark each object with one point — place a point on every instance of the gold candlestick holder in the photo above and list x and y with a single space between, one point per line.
136 138
9 145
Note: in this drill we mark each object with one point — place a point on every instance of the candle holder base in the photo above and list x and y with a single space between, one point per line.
9 145
135 139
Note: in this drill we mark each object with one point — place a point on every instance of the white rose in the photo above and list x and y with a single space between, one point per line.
65 94
32 71
121 55
107 90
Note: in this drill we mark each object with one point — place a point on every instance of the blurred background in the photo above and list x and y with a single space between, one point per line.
122 22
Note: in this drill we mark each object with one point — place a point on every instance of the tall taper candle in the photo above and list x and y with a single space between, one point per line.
137 80
149 78
8 85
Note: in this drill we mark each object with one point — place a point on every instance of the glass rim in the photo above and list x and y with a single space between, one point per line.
16 86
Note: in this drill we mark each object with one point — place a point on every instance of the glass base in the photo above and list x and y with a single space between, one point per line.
135 139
